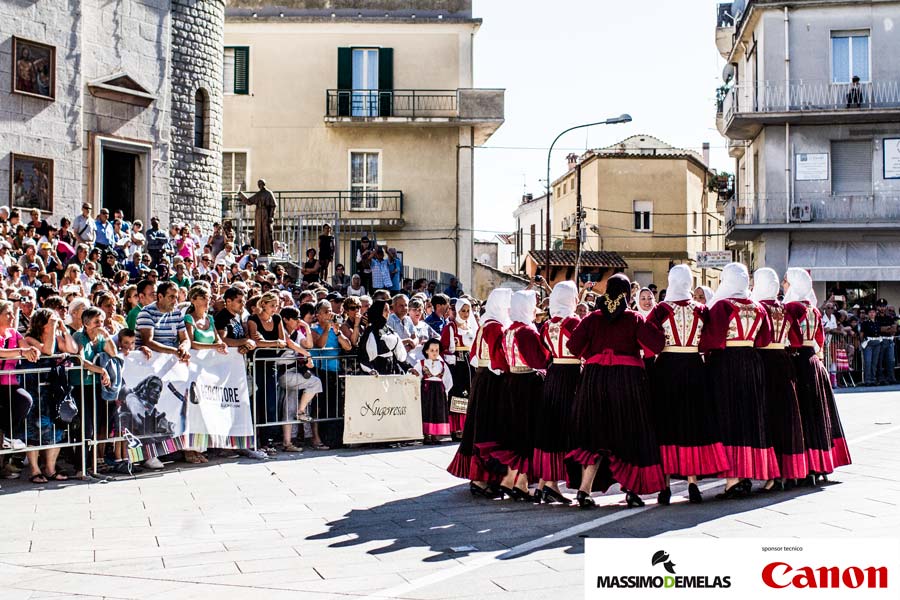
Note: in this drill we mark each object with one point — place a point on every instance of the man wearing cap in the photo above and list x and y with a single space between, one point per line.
85 227
30 276
30 256
337 303
52 264
106 235
887 325
156 241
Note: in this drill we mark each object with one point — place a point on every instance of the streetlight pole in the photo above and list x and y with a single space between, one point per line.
625 118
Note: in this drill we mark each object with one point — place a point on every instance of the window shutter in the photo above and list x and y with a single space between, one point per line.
242 70
851 167
344 80
385 81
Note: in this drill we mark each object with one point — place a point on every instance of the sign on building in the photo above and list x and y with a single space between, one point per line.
386 408
812 167
713 259
891 158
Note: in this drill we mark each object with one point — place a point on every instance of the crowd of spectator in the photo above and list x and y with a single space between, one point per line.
100 284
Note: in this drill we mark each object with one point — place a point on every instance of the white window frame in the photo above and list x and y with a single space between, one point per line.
376 206
849 33
369 97
230 92
246 152
634 210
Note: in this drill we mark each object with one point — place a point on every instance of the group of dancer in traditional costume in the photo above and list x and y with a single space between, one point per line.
730 387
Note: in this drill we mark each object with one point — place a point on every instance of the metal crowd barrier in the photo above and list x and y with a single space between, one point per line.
41 430
844 358
269 397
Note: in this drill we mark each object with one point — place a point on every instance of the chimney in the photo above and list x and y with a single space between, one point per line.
706 153
571 160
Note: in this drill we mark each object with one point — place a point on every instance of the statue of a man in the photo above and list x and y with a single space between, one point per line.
263 223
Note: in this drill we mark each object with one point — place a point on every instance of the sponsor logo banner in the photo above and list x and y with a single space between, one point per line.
674 568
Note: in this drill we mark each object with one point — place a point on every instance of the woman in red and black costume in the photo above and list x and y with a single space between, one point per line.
826 448
457 337
483 422
736 380
521 398
551 434
686 425
612 426
783 408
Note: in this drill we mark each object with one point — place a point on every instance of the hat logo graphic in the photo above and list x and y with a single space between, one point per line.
661 556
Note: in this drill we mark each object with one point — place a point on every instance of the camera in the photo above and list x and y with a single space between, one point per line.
338 320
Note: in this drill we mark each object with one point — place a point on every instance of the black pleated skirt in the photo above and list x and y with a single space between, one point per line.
518 408
826 447
551 431
783 413
482 425
462 387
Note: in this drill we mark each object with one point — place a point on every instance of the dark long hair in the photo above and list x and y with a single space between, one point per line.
615 301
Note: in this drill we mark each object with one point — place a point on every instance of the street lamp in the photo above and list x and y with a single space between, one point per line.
624 118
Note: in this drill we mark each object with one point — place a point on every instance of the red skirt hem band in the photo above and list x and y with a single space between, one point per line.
549 466
640 480
457 421
841 452
793 466
752 463
683 461
436 428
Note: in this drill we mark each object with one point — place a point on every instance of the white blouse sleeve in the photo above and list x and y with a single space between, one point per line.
399 350
372 347
447 378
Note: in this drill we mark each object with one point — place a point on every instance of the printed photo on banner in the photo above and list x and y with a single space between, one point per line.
169 405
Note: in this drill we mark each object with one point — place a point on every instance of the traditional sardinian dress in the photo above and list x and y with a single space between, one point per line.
736 380
782 405
483 422
611 420
687 426
551 428
382 352
519 400
826 448
456 343
436 380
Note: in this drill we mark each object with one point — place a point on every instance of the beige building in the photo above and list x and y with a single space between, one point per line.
364 118
645 200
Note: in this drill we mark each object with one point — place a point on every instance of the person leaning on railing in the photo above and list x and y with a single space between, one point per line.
48 334
15 402
328 342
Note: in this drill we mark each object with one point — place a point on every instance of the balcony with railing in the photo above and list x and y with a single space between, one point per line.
745 108
301 215
747 214
481 108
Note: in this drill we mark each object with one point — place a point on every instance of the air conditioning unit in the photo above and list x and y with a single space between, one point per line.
801 212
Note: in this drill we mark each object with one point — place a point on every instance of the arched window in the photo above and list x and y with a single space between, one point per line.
200 117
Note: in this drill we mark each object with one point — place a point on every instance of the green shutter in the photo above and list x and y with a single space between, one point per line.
385 81
242 70
344 81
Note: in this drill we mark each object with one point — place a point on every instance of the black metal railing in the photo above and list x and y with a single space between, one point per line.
392 103
339 203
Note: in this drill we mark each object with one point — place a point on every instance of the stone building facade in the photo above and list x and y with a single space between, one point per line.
120 131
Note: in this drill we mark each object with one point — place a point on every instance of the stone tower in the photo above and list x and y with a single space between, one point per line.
198 35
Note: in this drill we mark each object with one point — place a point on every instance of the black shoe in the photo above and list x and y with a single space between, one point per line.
551 496
746 485
633 500
483 492
822 479
733 493
538 496
808 481
515 493
768 489
584 500
694 494
665 497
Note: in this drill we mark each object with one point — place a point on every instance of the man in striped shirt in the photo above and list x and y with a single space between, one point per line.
161 325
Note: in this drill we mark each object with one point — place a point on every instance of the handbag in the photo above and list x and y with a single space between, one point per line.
459 404
59 390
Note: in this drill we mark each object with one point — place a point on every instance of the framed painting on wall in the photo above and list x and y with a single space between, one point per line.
31 182
34 69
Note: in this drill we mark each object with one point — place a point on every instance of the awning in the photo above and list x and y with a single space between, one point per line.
848 261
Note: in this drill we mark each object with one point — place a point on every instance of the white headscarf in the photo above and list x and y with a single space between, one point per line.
801 287
563 299
766 284
497 307
680 281
522 307
637 302
470 322
707 294
734 283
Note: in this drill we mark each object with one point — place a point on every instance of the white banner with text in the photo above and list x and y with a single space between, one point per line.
386 408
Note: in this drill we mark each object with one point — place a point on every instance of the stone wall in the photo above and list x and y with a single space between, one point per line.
38 127
198 33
